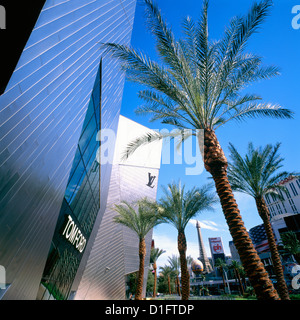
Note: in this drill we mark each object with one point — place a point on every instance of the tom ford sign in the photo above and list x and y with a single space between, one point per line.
72 233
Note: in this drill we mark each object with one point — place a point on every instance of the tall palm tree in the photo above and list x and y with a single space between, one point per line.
177 206
257 174
154 255
199 86
140 218
174 262
291 244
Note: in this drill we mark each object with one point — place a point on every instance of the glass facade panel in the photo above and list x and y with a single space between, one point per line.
79 209
87 135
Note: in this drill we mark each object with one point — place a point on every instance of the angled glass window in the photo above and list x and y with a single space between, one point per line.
81 203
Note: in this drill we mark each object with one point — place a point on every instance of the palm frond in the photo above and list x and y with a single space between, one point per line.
179 206
258 110
140 216
198 83
257 173
151 137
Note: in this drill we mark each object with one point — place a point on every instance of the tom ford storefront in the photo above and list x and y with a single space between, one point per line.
53 189
79 209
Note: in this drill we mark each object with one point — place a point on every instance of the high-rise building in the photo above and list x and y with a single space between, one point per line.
53 187
202 252
290 201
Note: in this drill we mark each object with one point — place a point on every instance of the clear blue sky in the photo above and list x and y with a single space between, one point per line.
278 43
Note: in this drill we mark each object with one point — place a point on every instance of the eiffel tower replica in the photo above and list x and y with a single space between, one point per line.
203 257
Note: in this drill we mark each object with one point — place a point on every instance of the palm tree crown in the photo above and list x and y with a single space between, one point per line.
178 206
257 173
200 83
139 217
155 254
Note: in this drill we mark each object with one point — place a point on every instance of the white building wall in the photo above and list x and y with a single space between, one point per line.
115 250
291 203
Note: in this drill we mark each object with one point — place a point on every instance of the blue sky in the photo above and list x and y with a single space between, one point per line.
279 44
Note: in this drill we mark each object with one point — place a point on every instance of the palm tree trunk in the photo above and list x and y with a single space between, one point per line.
178 285
142 254
169 284
215 163
185 276
240 281
155 279
265 215
222 274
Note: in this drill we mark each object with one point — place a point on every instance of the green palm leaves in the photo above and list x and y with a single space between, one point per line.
199 83
140 217
257 173
179 205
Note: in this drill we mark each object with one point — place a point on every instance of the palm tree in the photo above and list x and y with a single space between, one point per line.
291 244
167 272
220 264
237 267
199 87
154 255
140 218
174 262
257 174
177 207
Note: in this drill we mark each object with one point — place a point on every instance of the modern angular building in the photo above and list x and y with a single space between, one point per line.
53 187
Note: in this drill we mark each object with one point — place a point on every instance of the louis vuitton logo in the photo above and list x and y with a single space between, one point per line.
150 180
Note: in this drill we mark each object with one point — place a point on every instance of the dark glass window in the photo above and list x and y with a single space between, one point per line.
81 203
88 135
293 189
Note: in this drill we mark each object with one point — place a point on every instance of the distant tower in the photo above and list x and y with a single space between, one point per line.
203 257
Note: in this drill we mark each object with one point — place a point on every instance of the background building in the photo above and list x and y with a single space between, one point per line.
114 254
234 253
202 252
61 92
291 198
284 217
216 249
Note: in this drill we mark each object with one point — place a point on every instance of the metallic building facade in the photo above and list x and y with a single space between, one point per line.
80 206
114 254
42 113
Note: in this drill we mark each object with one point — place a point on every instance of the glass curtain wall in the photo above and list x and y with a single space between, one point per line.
79 208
